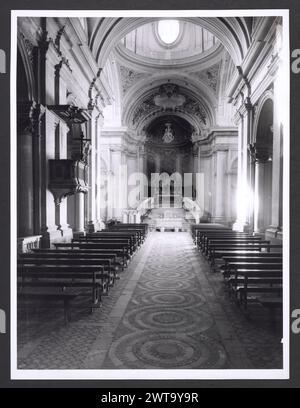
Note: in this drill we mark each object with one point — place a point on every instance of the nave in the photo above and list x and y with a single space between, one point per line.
168 310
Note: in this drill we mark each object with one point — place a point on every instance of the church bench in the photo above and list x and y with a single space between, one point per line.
84 253
243 283
237 245
142 234
111 240
233 282
130 227
219 255
271 303
195 231
79 276
135 236
73 253
261 257
211 243
68 268
50 296
68 260
119 249
250 264
219 251
249 259
245 291
231 267
203 238
108 240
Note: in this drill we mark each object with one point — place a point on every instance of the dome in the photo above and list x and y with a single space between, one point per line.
169 40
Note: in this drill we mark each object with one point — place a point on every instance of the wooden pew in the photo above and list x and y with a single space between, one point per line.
62 276
49 259
127 243
212 243
135 236
29 294
108 240
83 253
220 251
121 250
204 236
142 227
256 282
231 267
202 229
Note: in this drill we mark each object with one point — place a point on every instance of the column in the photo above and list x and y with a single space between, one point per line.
132 167
195 169
25 184
100 214
30 120
245 196
258 195
220 190
142 171
92 134
277 186
79 213
119 187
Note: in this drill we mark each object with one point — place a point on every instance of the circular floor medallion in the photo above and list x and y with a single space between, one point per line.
146 350
184 300
170 285
165 318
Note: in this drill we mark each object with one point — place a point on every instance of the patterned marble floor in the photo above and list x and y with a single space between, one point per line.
168 311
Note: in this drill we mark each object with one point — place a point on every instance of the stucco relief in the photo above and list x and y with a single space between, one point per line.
210 76
129 77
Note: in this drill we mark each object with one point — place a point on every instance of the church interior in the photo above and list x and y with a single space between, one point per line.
150 192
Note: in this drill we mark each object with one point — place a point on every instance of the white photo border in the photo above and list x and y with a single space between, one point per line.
192 374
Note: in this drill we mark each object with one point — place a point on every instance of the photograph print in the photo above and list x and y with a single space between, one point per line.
151 177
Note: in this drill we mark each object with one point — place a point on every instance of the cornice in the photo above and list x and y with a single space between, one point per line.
138 62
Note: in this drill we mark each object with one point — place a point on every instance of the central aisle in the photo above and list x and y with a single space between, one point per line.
168 311
167 316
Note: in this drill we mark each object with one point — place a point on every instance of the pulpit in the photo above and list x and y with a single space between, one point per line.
67 177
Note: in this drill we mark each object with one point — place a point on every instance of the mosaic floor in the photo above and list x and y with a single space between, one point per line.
168 311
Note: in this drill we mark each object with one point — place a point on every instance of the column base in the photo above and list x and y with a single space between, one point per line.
67 233
274 232
222 220
241 227
91 227
51 235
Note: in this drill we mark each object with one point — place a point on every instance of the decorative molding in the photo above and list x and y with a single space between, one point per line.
29 47
169 98
29 116
192 107
210 77
130 77
259 154
92 101
70 114
66 178
146 107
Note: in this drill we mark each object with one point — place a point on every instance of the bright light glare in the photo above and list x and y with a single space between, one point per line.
168 30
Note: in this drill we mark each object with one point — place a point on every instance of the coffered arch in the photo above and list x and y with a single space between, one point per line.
233 33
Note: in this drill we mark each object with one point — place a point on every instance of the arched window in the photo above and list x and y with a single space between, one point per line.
168 31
